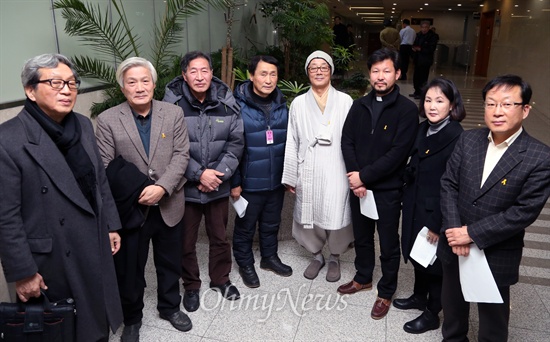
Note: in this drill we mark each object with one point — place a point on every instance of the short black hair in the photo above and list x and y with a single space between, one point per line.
264 58
383 54
406 21
449 89
337 17
509 81
194 55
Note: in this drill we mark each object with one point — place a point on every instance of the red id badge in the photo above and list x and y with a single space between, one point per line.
269 137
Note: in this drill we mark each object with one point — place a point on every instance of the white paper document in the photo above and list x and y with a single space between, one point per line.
368 206
423 252
476 278
239 205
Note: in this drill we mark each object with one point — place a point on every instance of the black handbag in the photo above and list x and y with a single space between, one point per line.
38 320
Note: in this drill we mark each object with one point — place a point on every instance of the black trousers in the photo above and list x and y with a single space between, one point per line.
167 256
405 52
420 76
493 318
264 209
388 204
428 286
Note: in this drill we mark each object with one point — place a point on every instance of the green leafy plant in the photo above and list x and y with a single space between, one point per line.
113 40
357 81
342 57
240 75
292 89
303 26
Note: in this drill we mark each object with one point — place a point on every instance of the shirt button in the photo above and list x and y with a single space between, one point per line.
62 221
150 171
44 189
68 253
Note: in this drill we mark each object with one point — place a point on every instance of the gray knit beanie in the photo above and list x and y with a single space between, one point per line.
322 55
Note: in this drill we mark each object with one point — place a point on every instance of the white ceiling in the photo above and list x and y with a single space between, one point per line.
384 8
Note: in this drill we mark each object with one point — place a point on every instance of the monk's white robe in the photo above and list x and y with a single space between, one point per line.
314 164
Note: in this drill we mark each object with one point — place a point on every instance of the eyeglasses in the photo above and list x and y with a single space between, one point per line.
323 68
503 105
58 84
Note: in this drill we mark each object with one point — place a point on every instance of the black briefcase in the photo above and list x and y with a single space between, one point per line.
38 320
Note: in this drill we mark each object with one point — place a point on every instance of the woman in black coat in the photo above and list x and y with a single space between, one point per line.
442 105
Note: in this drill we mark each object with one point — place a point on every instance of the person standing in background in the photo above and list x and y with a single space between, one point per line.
423 47
408 36
389 36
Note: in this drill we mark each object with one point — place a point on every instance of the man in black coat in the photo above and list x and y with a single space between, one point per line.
423 47
376 140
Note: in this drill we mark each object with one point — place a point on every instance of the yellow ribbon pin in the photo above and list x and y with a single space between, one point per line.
385 127
163 135
427 151
504 181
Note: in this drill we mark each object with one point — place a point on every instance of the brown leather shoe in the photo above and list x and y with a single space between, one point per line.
353 287
380 308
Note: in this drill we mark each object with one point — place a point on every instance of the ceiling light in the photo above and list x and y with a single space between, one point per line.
371 13
365 8
459 5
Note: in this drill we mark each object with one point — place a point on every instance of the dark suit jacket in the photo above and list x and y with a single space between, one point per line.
497 214
48 226
117 135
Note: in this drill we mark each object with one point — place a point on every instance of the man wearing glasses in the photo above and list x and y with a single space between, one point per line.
58 220
314 168
496 184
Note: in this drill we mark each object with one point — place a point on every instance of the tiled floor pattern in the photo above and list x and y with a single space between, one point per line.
297 309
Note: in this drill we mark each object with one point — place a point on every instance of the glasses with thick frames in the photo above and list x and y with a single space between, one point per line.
323 68
59 84
503 105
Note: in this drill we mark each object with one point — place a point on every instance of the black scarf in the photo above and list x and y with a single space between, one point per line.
66 137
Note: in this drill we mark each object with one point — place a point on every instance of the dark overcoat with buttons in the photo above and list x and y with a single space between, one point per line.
422 184
48 226
498 212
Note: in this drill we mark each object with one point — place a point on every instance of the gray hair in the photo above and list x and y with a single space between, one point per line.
30 74
131 63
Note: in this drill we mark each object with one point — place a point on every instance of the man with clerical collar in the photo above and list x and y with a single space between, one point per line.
217 142
258 178
377 137
152 135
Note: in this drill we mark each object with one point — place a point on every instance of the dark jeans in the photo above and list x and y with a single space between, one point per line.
388 204
264 208
166 253
219 258
405 52
493 318
420 76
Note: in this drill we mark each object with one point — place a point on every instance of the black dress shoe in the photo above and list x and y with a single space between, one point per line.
275 265
228 291
131 333
249 275
413 302
179 320
191 300
425 322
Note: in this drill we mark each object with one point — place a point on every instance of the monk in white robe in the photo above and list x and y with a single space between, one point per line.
314 168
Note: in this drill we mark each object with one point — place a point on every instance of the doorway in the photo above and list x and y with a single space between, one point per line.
486 26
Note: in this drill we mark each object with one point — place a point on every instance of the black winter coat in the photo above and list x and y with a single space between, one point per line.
421 195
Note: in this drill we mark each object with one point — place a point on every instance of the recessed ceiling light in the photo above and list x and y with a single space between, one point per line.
426 4
516 5
459 5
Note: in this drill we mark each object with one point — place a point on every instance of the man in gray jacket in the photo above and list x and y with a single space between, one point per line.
216 145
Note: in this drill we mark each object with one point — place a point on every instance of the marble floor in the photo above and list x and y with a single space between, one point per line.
298 309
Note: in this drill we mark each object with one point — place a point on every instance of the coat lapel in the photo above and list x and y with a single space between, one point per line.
43 150
129 123
156 128
510 159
